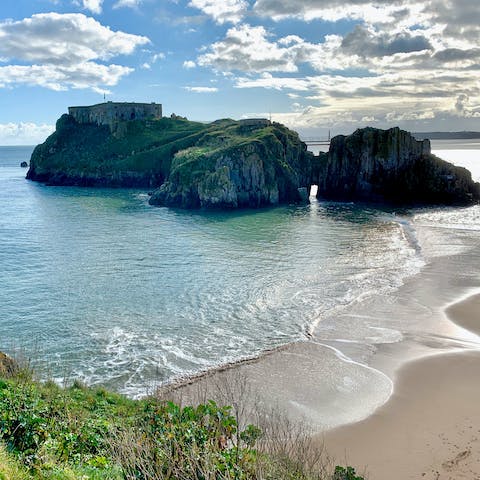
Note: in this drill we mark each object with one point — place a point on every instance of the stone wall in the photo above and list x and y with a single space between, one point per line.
111 112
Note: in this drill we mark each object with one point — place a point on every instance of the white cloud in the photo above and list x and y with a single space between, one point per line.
63 51
248 49
202 89
127 3
189 64
153 59
24 133
331 10
158 56
222 11
95 6
84 75
64 39
277 83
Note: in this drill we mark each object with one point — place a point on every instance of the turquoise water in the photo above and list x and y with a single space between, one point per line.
105 288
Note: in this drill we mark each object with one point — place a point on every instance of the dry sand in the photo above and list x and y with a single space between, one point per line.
430 427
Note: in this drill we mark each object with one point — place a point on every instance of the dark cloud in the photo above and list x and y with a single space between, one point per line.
461 103
365 43
457 55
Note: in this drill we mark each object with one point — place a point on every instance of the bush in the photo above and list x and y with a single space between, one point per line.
53 433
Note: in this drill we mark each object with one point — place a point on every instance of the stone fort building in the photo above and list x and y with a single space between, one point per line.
109 113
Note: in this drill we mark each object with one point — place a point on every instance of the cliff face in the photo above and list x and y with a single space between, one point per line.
391 165
238 165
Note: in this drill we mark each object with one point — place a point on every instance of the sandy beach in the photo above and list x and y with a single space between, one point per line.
400 409
430 427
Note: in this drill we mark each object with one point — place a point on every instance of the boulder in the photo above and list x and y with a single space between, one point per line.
8 366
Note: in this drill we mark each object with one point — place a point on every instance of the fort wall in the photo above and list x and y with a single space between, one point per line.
109 113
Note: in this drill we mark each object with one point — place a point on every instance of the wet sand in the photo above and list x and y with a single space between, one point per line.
430 427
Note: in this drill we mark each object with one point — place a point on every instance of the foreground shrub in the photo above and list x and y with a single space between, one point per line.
53 433
197 443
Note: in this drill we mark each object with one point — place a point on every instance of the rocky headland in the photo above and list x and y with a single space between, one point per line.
392 166
246 164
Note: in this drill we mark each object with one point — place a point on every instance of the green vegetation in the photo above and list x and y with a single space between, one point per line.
136 153
54 433
225 163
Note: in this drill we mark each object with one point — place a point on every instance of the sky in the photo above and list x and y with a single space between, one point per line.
314 65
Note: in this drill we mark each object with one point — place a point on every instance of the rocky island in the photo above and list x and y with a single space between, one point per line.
392 166
237 164
223 164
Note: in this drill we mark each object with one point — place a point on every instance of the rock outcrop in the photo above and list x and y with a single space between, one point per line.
240 165
224 164
8 366
391 165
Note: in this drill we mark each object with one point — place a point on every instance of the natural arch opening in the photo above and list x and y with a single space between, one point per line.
313 190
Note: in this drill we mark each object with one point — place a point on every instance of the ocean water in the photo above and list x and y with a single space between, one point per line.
102 287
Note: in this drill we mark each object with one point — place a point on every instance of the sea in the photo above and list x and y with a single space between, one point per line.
97 285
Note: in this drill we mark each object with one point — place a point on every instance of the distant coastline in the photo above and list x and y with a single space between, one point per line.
446 135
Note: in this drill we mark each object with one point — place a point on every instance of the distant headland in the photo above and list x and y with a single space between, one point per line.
240 164
464 135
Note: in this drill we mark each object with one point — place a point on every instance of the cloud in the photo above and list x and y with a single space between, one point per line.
127 3
222 11
153 59
463 108
95 6
402 61
202 89
399 98
365 42
63 50
330 10
189 64
248 49
277 83
158 56
461 103
457 55
56 38
56 77
24 133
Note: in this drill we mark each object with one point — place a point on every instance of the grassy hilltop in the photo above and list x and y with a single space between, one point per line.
136 153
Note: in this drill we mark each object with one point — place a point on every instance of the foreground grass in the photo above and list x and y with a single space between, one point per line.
49 432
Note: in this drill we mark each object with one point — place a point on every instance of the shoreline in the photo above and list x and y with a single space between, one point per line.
430 426
437 355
